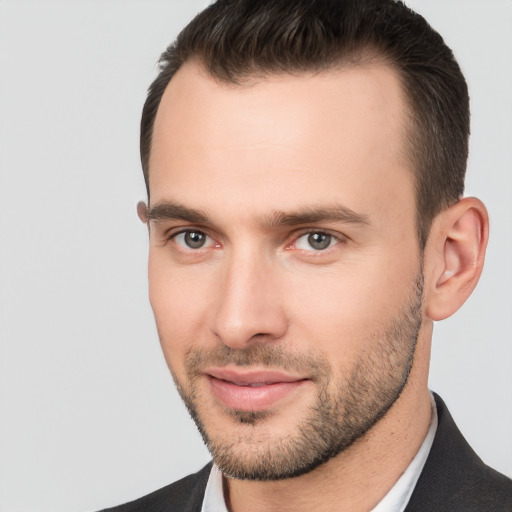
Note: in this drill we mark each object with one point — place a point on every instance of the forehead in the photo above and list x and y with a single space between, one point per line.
337 132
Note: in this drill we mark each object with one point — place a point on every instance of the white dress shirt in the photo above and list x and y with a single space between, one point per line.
395 500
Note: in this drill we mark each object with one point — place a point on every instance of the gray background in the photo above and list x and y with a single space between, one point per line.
89 415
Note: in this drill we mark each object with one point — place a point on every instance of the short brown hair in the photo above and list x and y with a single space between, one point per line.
237 39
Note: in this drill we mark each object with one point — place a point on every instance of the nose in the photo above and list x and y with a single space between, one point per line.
249 307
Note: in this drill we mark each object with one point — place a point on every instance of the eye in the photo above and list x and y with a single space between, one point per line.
317 240
192 239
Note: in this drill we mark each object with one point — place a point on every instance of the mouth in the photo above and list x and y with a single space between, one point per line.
252 390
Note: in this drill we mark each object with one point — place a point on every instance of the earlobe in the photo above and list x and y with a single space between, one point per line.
460 239
142 211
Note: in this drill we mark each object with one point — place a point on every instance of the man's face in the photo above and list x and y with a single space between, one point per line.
285 273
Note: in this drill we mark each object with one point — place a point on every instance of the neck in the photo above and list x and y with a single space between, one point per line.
359 477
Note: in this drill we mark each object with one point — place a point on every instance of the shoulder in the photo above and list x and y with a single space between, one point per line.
455 478
184 495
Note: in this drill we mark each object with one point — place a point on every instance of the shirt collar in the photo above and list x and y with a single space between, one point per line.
398 496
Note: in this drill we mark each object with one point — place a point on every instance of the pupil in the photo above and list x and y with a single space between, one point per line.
319 240
194 239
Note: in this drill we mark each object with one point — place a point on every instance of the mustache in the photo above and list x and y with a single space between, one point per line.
262 355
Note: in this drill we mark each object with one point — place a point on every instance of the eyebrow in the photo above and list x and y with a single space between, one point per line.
314 215
168 210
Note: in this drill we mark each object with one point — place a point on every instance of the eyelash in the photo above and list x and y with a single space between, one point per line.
173 236
334 240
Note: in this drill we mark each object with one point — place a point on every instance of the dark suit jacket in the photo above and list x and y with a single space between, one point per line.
454 479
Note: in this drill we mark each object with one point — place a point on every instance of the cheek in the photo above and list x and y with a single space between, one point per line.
348 307
179 306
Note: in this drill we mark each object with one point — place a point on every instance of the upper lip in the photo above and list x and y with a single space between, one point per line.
251 377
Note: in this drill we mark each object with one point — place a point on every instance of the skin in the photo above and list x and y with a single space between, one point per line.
246 157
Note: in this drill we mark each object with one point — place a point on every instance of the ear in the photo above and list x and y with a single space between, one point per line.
456 253
142 211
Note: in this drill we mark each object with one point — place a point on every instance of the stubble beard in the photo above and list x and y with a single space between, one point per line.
339 416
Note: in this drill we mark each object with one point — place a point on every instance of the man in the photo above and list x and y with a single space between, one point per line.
304 164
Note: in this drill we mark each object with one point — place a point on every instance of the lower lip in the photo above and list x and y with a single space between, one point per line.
250 398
